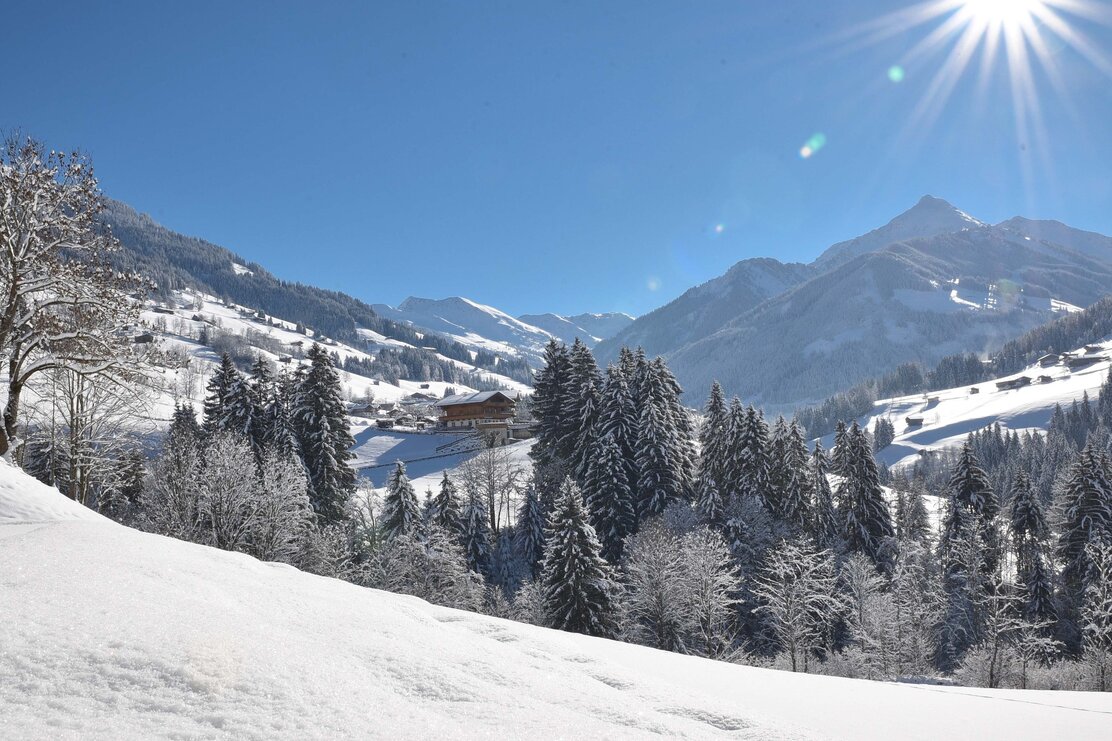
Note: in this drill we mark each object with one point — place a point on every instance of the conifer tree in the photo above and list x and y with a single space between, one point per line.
446 509
476 535
714 441
863 513
578 584
580 414
657 459
617 418
401 514
794 493
1086 519
708 500
219 387
609 498
752 464
551 391
824 527
971 497
529 531
323 436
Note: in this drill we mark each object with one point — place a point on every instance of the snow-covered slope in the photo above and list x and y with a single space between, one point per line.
590 328
470 323
179 325
943 419
116 634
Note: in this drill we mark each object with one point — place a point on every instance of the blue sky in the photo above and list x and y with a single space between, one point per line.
555 156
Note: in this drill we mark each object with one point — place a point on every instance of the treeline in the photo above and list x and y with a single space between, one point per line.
265 471
749 546
176 262
1061 335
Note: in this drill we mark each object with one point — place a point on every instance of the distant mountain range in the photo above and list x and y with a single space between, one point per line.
932 282
456 328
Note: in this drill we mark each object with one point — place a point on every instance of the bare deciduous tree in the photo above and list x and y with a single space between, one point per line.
61 305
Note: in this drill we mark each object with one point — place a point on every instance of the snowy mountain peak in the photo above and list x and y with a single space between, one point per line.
928 218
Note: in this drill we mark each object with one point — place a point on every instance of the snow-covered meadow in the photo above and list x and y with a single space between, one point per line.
114 633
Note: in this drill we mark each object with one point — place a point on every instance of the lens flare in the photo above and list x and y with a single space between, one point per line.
896 73
812 146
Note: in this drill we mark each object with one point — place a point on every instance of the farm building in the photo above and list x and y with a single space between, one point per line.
488 411
1048 360
1083 361
1013 383
914 421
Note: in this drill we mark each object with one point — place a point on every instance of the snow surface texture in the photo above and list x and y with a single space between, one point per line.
113 633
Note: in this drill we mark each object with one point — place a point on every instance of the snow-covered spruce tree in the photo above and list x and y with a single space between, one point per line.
863 513
965 584
579 589
823 522
477 543
971 494
714 440
323 436
751 451
283 516
446 512
261 390
505 569
219 389
682 426
529 531
401 514
658 458
884 432
62 307
1096 614
279 427
238 414
708 500
618 418
838 456
791 483
797 590
1029 533
1086 508
551 391
610 499
580 413
912 520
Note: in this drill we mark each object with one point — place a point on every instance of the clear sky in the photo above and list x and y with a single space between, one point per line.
558 156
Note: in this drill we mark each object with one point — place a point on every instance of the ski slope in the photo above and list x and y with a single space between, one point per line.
949 416
110 633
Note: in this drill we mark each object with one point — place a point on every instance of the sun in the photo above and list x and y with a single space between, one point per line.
1003 12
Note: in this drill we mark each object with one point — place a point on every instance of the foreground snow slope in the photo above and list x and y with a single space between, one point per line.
113 633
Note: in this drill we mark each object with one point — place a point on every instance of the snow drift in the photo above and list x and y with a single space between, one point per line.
113 633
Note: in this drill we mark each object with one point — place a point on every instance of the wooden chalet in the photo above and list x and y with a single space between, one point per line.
490 411
1048 360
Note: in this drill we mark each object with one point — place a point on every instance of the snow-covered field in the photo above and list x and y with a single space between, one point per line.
112 633
949 416
424 454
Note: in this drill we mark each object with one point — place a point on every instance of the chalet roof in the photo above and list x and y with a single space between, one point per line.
477 398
